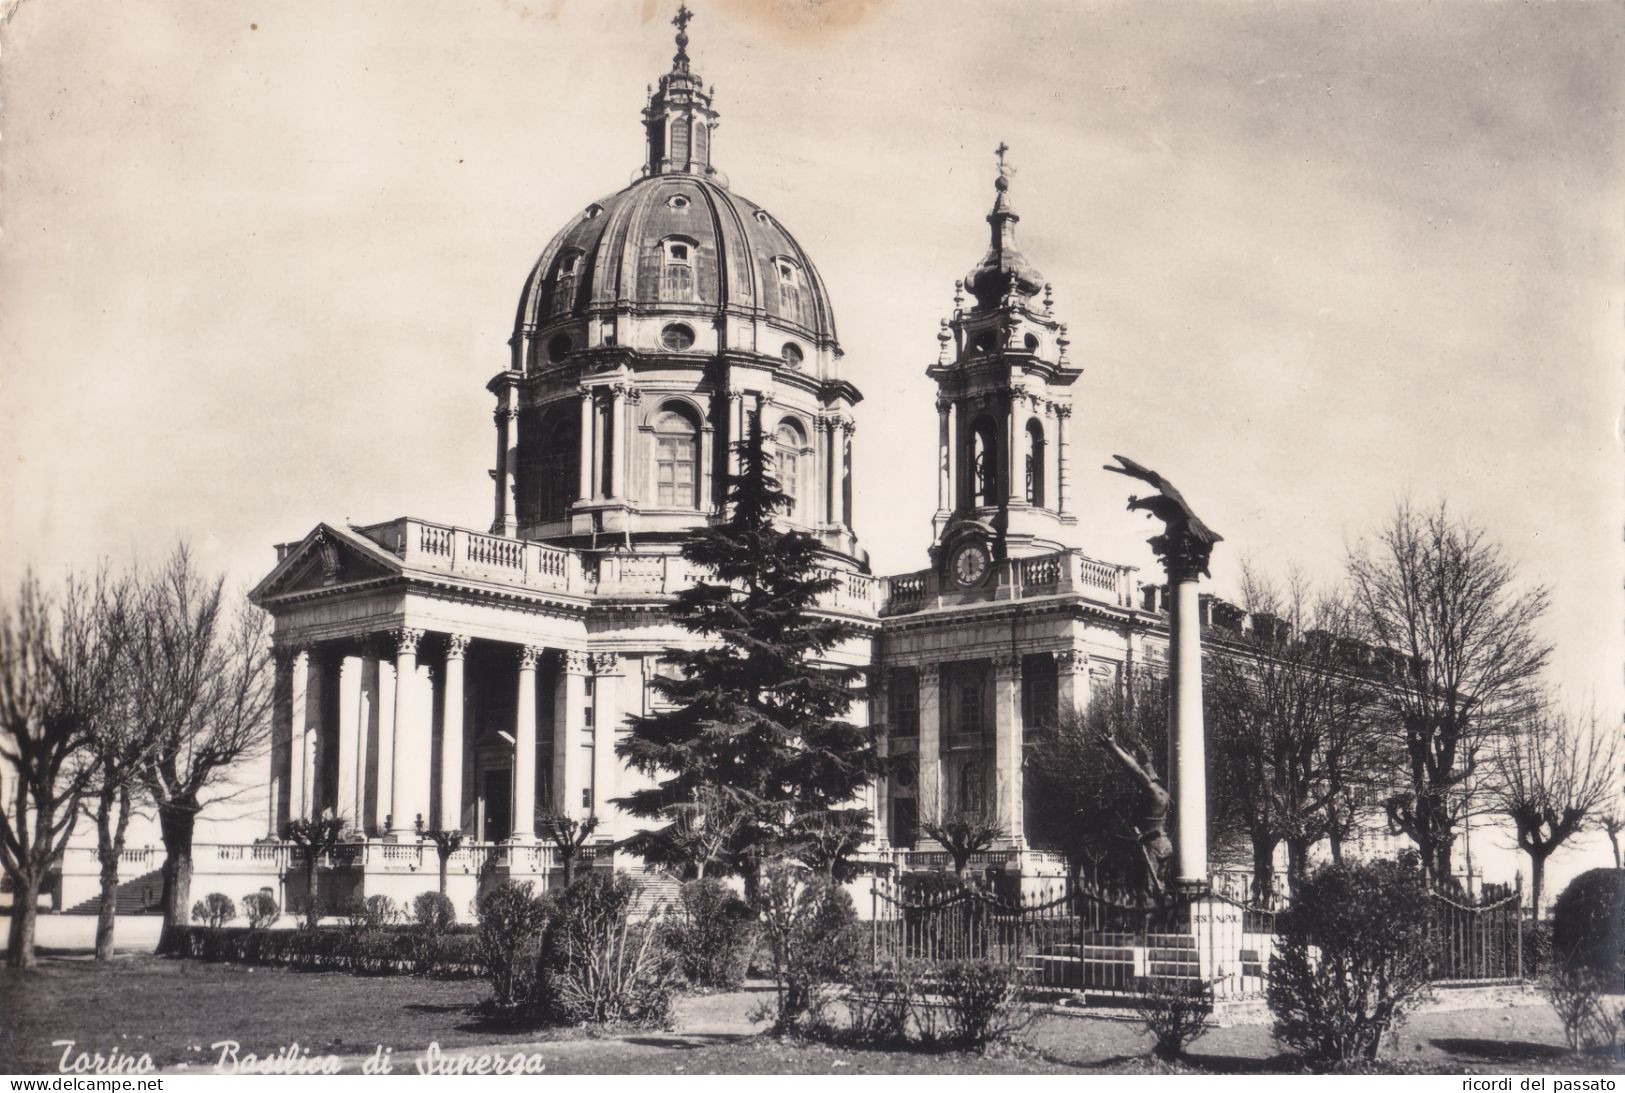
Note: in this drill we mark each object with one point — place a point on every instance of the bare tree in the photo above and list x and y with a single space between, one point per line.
1556 773
203 686
58 676
1438 591
118 749
568 836
826 840
702 833
1089 809
1291 716
1612 823
313 838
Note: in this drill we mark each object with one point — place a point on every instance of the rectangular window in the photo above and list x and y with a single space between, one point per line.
970 708
677 279
906 705
674 472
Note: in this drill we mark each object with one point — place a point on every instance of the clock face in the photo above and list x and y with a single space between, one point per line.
969 565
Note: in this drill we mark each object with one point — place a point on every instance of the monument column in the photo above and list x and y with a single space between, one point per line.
1186 740
347 805
1008 742
929 751
451 736
569 724
524 748
408 791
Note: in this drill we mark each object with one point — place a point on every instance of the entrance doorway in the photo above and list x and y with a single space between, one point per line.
498 805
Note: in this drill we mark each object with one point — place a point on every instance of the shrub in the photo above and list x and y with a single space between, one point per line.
261 909
513 919
984 1001
434 911
600 966
1576 994
373 912
1174 1011
712 934
385 951
1588 925
812 936
884 1007
214 910
1351 956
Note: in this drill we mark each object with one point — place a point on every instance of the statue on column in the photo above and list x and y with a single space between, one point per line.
1185 539
1152 803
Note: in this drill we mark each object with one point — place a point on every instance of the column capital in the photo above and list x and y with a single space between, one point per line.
930 674
405 640
456 646
1183 555
528 657
1007 665
606 664
1071 660
285 655
586 390
577 664
506 412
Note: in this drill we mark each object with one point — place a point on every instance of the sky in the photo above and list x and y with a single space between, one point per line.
259 259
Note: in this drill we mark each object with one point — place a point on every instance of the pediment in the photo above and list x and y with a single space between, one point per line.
327 558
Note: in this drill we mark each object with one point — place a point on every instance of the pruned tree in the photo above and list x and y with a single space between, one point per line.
827 842
202 685
759 711
1556 772
568 835
118 750
964 824
314 837
1612 822
1438 591
1089 808
59 674
1295 740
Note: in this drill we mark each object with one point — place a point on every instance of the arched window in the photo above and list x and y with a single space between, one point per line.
789 290
677 460
677 270
564 282
558 479
789 443
1035 463
982 466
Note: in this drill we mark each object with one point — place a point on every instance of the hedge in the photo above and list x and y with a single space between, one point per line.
398 950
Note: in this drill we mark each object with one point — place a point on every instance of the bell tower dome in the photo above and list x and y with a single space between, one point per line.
1003 403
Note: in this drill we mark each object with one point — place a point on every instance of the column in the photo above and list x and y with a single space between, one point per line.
1063 477
569 730
584 491
281 741
1071 682
606 719
450 816
879 721
847 429
944 504
930 746
736 426
310 748
384 685
1014 462
524 748
617 442
409 789
830 475
499 503
1008 745
1186 744
347 804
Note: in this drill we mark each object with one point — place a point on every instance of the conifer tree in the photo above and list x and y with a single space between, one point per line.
755 726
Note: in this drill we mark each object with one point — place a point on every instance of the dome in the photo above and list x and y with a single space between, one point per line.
678 242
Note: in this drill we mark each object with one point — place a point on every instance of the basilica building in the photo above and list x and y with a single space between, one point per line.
437 677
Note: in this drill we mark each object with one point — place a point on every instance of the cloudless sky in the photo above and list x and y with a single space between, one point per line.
259 259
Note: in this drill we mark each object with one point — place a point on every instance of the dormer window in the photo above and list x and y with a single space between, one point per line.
677 270
564 283
789 290
679 202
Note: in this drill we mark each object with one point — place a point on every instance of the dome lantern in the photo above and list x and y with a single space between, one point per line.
679 119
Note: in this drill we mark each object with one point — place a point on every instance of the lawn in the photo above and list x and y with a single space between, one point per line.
174 1010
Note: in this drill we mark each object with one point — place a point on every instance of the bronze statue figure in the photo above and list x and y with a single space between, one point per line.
1185 542
1151 806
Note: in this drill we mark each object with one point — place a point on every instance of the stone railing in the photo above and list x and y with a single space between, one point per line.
1066 572
471 553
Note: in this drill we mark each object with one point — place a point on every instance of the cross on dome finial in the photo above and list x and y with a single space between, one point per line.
684 16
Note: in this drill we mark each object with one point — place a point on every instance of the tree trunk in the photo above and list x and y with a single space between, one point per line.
1613 841
312 865
24 910
1537 874
445 862
175 826
1297 861
109 848
1263 868
107 911
568 859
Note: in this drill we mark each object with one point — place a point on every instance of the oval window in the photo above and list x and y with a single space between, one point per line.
558 348
1032 343
678 201
792 354
677 337
762 218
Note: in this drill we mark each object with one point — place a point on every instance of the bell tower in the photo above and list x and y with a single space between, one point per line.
1003 403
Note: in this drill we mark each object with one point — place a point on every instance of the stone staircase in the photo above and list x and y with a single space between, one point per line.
136 896
660 891
1112 962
